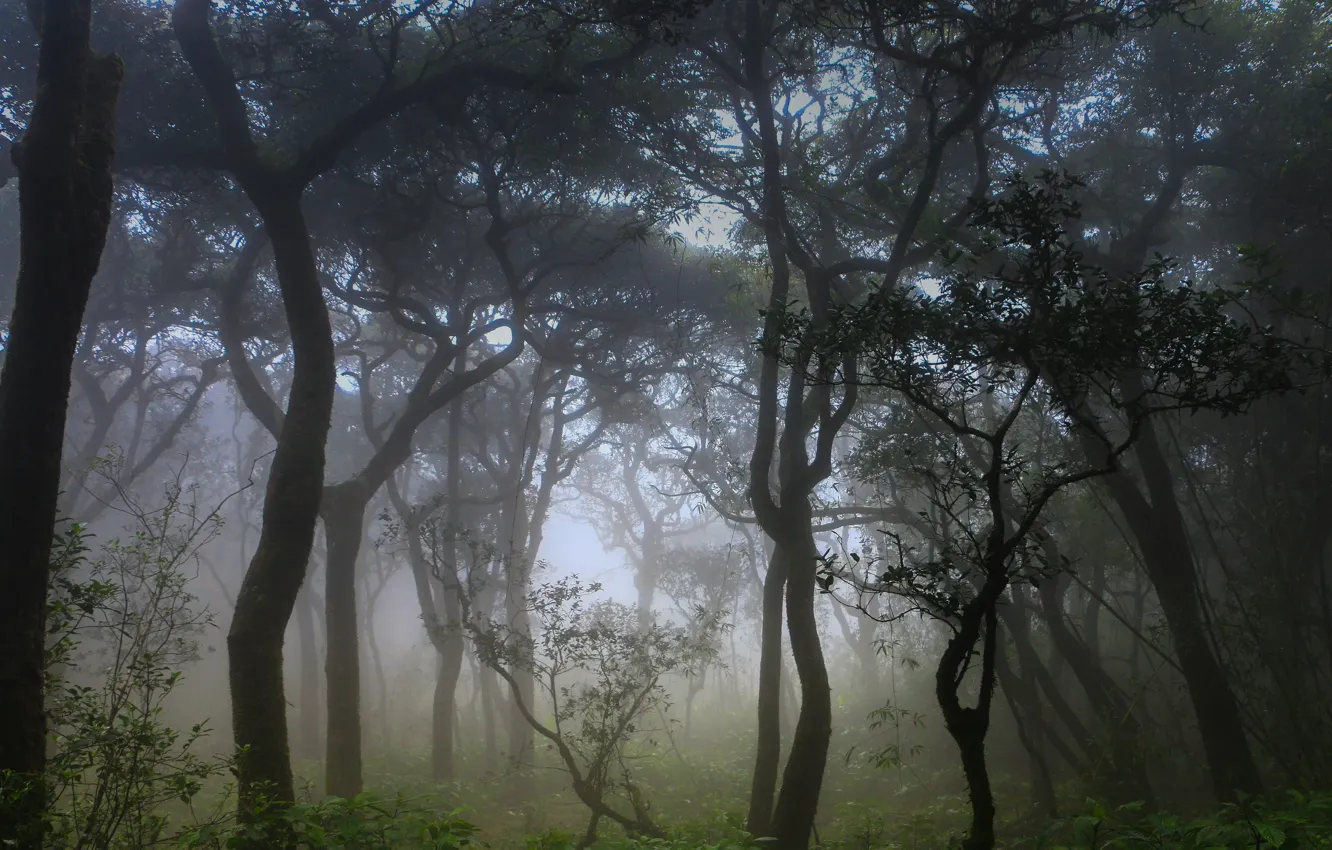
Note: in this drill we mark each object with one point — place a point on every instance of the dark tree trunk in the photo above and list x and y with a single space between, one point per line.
308 747
1139 615
444 716
1158 526
1015 619
521 741
296 475
344 519
292 506
968 725
1025 703
381 679
970 736
1091 612
65 191
291 509
798 802
441 602
767 760
518 576
490 706
1123 753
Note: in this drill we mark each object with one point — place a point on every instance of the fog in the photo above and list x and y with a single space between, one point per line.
690 424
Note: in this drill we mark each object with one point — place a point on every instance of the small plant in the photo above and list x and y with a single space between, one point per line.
551 839
120 626
682 841
1304 823
601 674
360 823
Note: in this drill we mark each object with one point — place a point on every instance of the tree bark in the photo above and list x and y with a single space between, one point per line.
517 577
802 779
291 508
1024 702
444 715
343 510
1014 618
308 746
1123 751
968 725
1158 526
490 706
65 193
444 711
645 582
296 475
381 678
767 759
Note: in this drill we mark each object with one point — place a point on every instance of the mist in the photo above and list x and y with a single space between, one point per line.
692 424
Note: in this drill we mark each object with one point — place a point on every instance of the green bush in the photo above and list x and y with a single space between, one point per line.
121 623
1302 823
363 822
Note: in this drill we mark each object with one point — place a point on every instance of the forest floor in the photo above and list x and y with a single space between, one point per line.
699 799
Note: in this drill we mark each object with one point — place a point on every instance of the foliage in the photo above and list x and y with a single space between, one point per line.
1305 821
365 821
120 626
1027 301
602 677
1023 324
683 842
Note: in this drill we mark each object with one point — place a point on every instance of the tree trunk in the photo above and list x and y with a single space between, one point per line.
490 706
65 192
1025 704
968 726
344 518
1091 612
763 787
970 737
291 509
444 717
1123 751
518 577
977 626
645 582
689 713
308 747
1016 619
443 739
444 713
381 679
521 741
798 802
1163 540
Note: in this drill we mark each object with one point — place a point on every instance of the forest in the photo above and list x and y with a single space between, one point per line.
666 424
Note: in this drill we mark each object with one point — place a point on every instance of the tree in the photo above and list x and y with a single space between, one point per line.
1026 317
65 191
595 722
295 488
